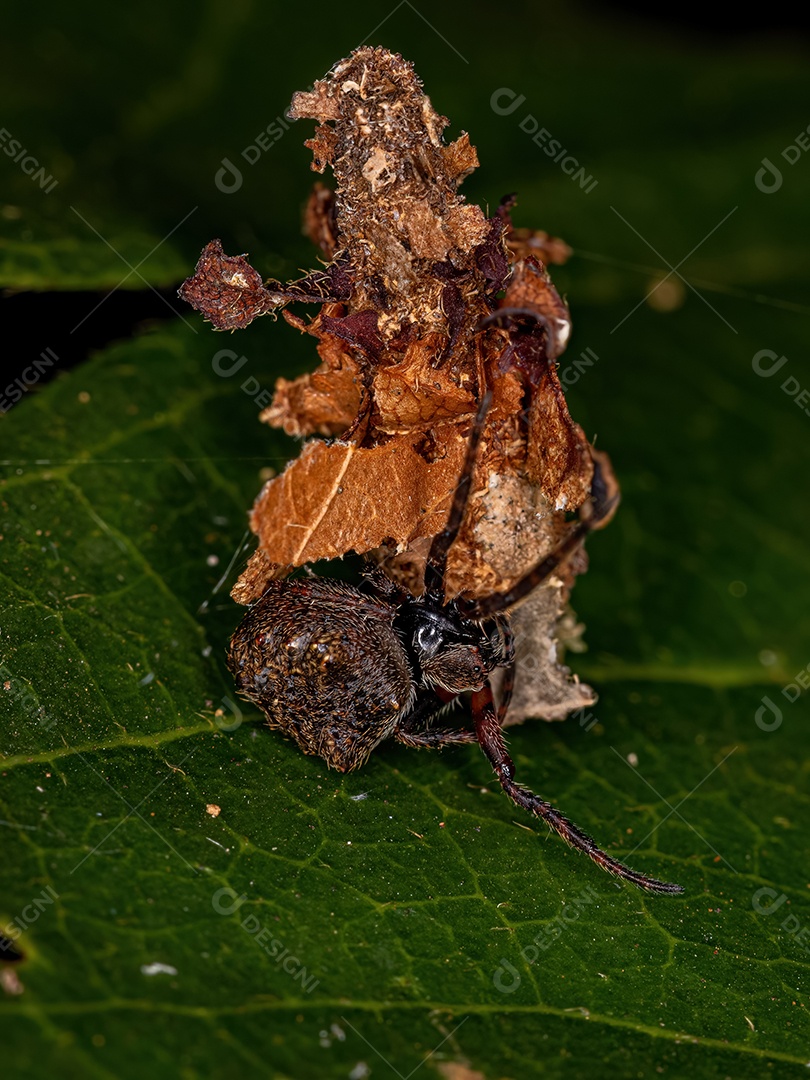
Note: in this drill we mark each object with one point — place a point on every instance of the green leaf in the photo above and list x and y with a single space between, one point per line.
322 925
409 893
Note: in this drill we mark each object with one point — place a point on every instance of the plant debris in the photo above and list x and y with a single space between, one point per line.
422 303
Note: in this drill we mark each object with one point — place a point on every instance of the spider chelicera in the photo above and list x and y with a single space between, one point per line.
340 668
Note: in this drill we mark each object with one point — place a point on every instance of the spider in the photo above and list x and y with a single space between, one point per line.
341 668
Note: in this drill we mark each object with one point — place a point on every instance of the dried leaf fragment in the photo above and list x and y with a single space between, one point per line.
328 499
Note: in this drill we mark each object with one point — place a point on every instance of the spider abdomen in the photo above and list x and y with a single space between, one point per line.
324 663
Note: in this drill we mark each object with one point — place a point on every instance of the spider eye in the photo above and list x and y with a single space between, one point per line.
428 639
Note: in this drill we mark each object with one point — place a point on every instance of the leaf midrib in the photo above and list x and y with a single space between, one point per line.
382 1008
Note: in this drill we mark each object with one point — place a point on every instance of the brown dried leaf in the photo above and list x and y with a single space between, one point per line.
526 243
461 158
226 289
328 500
326 401
531 294
414 393
559 456
319 219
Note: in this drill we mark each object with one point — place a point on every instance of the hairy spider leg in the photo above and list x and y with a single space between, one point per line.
415 730
436 564
491 741
434 738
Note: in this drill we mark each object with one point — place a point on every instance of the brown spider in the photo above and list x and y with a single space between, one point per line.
340 667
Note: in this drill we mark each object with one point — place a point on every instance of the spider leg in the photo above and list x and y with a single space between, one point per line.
507 686
437 558
490 738
415 733
434 738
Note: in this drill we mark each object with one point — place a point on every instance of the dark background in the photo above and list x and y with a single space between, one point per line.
133 120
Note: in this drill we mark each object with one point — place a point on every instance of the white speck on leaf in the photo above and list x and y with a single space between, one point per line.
158 969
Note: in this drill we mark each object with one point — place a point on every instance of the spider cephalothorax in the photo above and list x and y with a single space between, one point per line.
340 668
